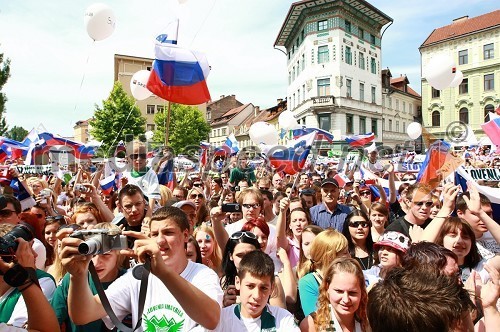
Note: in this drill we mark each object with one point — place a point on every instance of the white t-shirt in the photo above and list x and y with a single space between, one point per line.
230 322
19 315
161 310
6 328
41 252
148 183
272 241
488 247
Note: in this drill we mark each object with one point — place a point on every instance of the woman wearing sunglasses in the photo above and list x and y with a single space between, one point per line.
359 238
197 196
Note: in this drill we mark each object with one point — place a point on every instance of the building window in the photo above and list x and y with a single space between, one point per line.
304 92
150 127
390 102
404 107
303 61
159 108
487 109
348 26
349 124
348 84
362 125
489 82
373 66
463 57
302 34
348 55
397 126
150 109
390 125
323 55
374 126
397 104
361 92
322 25
464 115
374 90
410 109
361 33
324 87
488 51
435 93
463 88
218 132
372 39
224 131
361 60
289 77
324 121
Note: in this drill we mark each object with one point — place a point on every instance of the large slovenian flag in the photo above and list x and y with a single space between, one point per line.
320 133
291 160
360 140
12 148
166 174
179 75
80 150
492 129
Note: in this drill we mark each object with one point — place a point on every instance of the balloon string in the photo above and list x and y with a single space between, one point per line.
124 123
83 76
202 23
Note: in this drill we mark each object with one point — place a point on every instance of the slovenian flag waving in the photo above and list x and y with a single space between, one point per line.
320 133
360 140
291 160
179 75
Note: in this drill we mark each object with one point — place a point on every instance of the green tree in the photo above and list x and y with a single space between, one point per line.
118 119
4 76
187 127
17 133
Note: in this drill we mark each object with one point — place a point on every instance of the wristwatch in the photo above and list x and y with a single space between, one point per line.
18 275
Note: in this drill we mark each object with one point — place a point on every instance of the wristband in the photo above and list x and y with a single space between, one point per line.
18 275
25 286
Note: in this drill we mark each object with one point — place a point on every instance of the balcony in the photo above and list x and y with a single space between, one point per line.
314 103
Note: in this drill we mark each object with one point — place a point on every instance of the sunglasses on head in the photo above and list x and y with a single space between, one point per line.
365 193
137 156
427 204
240 234
54 218
248 206
6 213
356 224
193 196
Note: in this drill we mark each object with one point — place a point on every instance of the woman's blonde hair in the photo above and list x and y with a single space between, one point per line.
84 208
323 316
325 248
34 179
216 257
166 194
304 265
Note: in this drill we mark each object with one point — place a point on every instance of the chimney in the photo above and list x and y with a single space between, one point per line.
461 19
256 110
279 100
222 96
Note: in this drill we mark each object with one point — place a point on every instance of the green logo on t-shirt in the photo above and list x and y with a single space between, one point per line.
161 323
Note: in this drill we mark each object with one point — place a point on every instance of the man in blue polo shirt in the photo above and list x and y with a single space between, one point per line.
329 213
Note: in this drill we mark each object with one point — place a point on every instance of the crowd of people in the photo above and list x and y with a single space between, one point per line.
250 249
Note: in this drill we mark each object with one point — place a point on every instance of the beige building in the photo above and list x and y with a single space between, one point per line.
474 45
81 131
223 126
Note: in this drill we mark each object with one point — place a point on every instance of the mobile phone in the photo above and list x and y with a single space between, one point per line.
236 188
231 207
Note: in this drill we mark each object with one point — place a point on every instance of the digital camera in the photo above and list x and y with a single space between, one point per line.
8 244
82 188
100 241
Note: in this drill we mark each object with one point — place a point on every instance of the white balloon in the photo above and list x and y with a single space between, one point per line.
263 132
138 84
149 134
439 72
99 21
414 130
459 76
286 120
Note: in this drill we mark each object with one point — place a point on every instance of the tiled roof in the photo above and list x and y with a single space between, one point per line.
398 79
228 115
463 27
399 83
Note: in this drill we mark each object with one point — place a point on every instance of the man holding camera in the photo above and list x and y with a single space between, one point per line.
180 294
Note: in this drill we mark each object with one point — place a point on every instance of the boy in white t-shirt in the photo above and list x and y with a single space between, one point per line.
255 282
180 294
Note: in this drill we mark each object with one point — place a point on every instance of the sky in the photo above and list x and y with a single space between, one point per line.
58 73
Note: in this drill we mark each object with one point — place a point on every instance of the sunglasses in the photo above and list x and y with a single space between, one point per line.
356 224
137 156
240 234
408 179
248 206
365 193
263 188
54 218
6 213
194 196
197 184
427 204
74 227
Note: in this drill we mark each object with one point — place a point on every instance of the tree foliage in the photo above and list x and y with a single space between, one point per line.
187 127
17 133
4 76
118 119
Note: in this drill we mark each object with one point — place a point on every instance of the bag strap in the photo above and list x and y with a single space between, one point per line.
107 305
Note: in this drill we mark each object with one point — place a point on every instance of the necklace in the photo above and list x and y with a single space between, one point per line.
368 262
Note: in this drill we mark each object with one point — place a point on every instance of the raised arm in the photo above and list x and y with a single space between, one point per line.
392 184
281 224
221 236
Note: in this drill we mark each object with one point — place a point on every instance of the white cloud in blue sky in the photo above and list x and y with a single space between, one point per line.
51 52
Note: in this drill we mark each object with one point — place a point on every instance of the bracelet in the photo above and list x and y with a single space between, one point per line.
26 286
441 217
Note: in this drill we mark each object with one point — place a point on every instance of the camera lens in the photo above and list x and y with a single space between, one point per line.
90 247
8 244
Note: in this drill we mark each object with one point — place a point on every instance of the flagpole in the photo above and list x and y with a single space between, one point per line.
167 124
